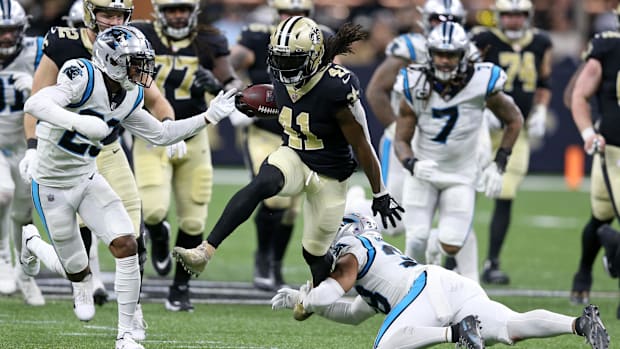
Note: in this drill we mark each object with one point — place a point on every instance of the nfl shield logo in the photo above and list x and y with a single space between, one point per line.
50 197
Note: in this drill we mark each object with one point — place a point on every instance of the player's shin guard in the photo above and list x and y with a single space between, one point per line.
538 324
45 252
320 266
127 288
181 277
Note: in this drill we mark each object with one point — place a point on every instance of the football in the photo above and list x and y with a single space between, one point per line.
258 100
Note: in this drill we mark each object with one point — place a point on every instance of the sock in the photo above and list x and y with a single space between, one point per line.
266 221
156 231
127 289
181 277
467 258
453 333
320 266
45 252
499 228
590 245
538 324
87 236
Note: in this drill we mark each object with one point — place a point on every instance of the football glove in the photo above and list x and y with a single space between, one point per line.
22 82
26 165
176 150
422 169
91 127
221 106
287 298
204 81
387 207
491 180
536 121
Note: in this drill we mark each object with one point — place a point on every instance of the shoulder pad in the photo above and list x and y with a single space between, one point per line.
411 82
410 46
491 74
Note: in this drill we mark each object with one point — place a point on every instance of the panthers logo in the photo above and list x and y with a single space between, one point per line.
72 71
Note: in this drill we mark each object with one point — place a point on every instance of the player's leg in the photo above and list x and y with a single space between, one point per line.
500 220
192 184
7 187
467 258
419 201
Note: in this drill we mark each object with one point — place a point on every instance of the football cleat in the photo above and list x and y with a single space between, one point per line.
127 342
30 289
100 295
7 277
138 325
580 293
610 239
83 302
193 260
299 313
30 263
491 274
160 251
262 279
178 299
469 336
593 329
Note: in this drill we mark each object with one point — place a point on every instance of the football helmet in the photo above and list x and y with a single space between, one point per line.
442 11
75 18
92 6
448 38
13 19
293 6
524 7
357 224
178 29
295 50
123 54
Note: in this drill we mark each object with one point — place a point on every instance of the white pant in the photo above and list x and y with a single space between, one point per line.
15 199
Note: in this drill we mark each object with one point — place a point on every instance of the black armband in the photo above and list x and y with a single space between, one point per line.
501 158
31 143
409 164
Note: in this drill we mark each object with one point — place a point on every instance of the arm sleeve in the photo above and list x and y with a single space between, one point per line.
144 125
326 293
346 311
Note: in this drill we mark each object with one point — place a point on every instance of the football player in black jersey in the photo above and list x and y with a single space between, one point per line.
64 43
275 216
598 77
186 55
525 55
324 123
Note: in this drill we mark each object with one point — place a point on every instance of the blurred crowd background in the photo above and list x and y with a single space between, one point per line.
570 24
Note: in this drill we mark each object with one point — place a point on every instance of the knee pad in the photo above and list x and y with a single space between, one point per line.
191 226
76 264
202 182
155 215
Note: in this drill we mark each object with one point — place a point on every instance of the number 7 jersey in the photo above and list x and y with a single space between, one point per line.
448 126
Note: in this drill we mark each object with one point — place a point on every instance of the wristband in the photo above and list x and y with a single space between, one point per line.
31 143
501 159
587 133
409 164
380 194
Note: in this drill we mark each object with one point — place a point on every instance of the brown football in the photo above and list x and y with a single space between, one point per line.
261 99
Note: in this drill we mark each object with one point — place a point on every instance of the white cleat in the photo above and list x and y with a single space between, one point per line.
83 303
7 277
138 325
30 263
30 290
127 342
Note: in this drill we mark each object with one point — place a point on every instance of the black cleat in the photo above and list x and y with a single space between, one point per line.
491 274
262 275
592 328
580 293
469 336
610 240
160 251
178 299
100 296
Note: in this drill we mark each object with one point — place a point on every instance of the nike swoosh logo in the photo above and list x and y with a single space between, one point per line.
163 264
115 151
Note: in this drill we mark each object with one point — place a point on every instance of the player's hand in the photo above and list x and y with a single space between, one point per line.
536 121
26 165
594 143
387 207
239 119
243 107
286 298
422 169
176 150
22 82
91 127
491 181
204 81
221 106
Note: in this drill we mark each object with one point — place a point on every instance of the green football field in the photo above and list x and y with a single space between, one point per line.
541 254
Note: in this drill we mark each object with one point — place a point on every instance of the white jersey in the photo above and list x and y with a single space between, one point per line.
66 156
448 129
11 100
385 275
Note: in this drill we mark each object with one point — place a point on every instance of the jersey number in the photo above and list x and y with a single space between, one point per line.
11 97
374 299
177 73
451 114
69 140
303 139
518 66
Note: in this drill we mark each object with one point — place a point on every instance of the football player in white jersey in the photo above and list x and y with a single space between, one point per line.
443 104
423 304
89 100
19 56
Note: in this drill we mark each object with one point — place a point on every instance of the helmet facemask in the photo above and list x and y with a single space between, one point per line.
91 7
177 28
354 224
450 43
13 25
513 9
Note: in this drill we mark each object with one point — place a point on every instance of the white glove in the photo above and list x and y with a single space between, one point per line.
424 169
92 127
492 121
536 121
177 150
26 165
238 119
287 298
221 106
491 181
22 82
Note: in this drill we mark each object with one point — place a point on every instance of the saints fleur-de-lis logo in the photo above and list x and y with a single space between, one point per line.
315 35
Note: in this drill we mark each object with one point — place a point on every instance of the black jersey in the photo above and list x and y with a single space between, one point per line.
310 126
521 60
62 44
605 48
176 62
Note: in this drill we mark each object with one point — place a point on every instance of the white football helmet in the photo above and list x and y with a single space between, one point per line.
123 54
524 7
442 11
356 224
448 37
305 7
75 18
92 6
13 19
295 50
180 29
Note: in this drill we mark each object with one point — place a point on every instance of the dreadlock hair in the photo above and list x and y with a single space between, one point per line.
340 42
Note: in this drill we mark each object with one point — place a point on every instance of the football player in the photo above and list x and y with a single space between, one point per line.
525 54
323 121
275 216
19 56
598 77
443 104
90 100
62 44
191 59
75 17
423 304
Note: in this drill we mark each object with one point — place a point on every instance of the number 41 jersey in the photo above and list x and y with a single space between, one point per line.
448 126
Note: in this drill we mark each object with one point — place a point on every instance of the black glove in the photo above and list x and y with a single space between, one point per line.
205 81
243 107
387 207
